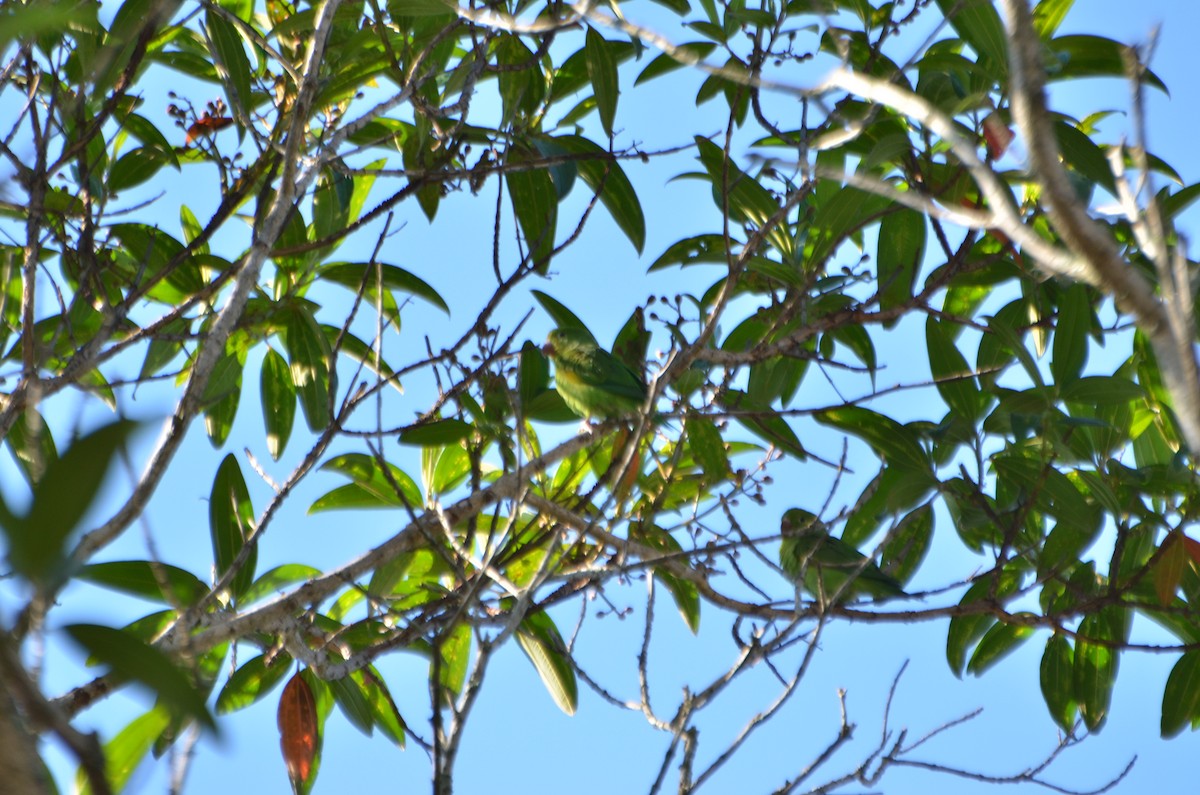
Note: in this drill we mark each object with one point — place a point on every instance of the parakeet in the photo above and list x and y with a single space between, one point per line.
822 564
592 382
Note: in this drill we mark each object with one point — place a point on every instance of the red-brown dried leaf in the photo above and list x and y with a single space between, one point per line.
997 135
297 721
1192 547
1169 569
206 125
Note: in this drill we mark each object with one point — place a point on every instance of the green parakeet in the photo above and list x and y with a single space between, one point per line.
592 381
822 564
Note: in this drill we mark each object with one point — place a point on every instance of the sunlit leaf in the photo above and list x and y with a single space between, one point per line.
545 648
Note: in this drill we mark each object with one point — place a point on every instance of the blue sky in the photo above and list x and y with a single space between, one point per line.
518 739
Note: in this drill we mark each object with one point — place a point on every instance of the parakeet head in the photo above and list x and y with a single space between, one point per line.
566 339
799 522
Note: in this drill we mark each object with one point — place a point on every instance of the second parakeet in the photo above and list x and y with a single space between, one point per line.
822 564
592 382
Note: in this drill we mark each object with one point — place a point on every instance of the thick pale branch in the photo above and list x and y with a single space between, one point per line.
1174 347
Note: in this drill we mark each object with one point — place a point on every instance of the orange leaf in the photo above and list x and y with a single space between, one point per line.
207 125
1192 547
1169 568
297 721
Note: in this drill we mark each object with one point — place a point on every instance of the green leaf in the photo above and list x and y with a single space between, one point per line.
707 446
418 8
1098 390
539 638
249 683
278 397
273 581
535 204
1003 342
158 582
231 522
892 491
131 658
1175 203
763 421
136 167
697 250
363 275
1058 686
979 25
966 629
996 644
1053 491
310 356
697 50
742 196
1070 349
632 342
683 591
604 175
371 488
230 59
563 172
148 254
533 372
436 433
1095 668
379 700
899 256
32 444
68 487
563 317
353 704
837 217
523 86
897 444
1083 155
1047 16
448 468
1181 697
1092 56
164 346
908 544
602 70
455 654
124 752
858 340
36 20
331 199
952 373
223 391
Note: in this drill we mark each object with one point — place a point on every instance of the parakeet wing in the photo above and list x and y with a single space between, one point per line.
835 561
591 380
591 365
822 563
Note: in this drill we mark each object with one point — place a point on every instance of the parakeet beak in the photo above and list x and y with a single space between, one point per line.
548 349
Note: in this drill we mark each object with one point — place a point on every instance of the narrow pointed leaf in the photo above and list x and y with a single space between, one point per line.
310 357
1057 681
231 521
1181 697
602 71
132 658
544 646
253 680
278 396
